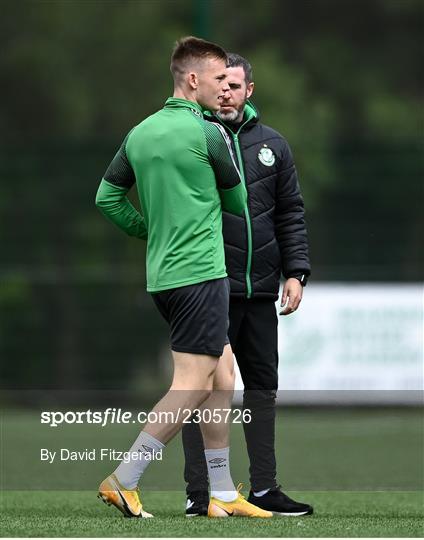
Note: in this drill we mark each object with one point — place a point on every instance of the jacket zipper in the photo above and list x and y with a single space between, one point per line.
247 217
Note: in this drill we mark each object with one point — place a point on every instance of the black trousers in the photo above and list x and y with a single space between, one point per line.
253 338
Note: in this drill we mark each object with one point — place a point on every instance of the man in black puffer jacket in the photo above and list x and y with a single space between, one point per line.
269 240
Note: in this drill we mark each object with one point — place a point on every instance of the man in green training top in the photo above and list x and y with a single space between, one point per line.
184 171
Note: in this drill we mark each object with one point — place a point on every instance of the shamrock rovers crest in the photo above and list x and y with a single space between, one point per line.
266 156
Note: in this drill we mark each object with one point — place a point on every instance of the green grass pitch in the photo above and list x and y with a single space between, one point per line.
361 469
339 514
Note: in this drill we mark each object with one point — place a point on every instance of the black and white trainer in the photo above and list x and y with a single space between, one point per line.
197 503
279 503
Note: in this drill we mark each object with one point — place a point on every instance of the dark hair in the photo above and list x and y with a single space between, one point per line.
235 60
189 49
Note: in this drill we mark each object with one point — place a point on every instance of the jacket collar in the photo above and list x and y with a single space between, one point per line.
179 103
251 113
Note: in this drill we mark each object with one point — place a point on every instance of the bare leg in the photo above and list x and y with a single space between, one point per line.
216 430
216 433
217 436
192 384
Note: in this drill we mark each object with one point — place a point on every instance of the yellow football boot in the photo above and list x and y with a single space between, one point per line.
125 500
239 507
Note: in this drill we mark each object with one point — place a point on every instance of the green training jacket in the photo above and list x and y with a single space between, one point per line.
184 170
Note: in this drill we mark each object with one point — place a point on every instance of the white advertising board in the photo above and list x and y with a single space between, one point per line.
353 338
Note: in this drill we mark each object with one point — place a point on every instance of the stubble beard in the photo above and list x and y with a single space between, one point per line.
229 116
234 116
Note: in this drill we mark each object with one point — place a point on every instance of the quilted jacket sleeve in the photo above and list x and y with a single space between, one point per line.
290 227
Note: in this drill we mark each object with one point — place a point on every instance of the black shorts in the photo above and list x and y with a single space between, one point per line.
197 315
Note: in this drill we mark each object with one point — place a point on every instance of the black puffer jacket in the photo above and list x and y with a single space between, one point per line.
271 239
